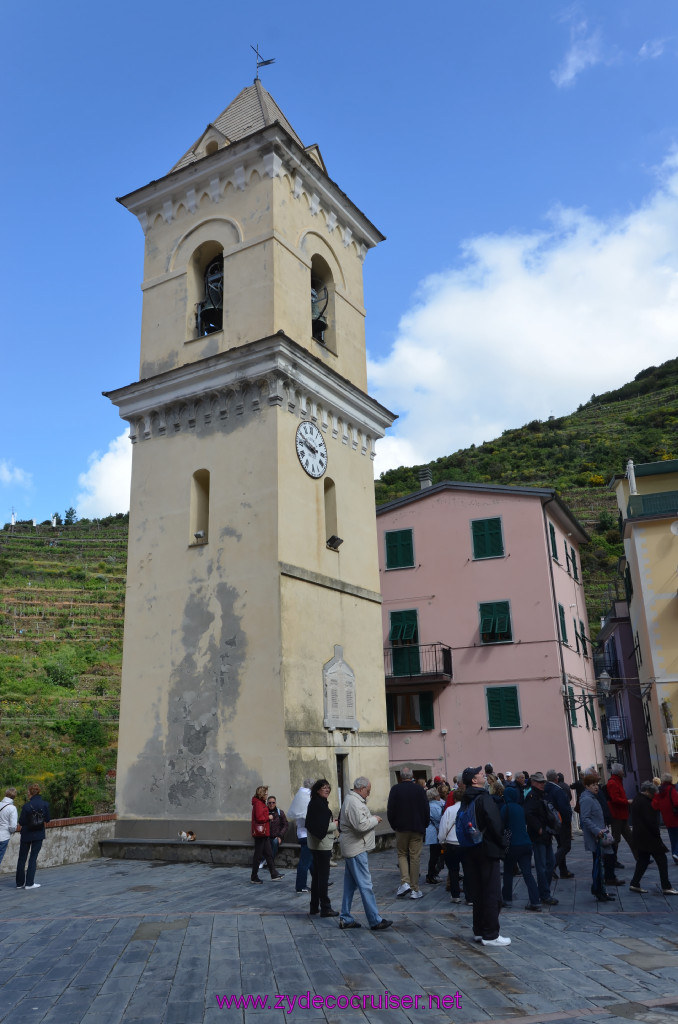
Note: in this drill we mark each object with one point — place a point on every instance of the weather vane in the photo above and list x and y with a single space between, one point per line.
261 63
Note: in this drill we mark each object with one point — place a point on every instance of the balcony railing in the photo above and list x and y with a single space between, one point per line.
616 729
652 504
413 660
672 738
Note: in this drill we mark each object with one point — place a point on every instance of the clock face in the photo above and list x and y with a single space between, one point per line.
311 449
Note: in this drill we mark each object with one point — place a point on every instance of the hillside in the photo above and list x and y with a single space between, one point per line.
578 455
61 617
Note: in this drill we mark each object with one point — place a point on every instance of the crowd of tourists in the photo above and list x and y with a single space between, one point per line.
483 829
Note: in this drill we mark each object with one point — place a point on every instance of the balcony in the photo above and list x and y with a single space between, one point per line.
429 664
672 742
662 503
616 729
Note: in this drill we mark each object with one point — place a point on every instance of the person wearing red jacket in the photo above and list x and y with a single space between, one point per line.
261 831
618 803
666 801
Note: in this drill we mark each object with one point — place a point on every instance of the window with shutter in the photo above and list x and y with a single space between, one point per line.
399 549
573 705
404 635
582 637
576 634
426 710
554 544
573 559
495 623
503 711
487 538
563 627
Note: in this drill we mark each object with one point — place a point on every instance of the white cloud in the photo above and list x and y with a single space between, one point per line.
530 325
10 474
652 49
105 485
586 50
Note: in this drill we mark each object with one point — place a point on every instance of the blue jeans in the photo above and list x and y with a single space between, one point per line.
673 839
275 843
357 876
522 856
305 861
544 863
33 847
3 847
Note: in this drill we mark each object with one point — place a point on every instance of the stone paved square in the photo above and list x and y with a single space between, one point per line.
138 942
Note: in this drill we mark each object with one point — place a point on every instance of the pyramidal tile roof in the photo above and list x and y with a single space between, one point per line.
252 109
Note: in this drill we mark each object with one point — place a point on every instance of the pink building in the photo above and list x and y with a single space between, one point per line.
486 641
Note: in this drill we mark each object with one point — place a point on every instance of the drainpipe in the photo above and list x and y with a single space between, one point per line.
563 675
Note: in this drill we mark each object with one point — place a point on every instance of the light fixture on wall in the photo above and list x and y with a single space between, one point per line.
199 536
334 542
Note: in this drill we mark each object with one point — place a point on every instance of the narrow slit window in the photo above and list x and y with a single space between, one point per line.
200 507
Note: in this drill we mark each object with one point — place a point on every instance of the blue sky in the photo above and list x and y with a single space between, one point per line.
520 157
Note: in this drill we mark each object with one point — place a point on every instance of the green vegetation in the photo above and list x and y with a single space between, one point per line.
61 615
578 455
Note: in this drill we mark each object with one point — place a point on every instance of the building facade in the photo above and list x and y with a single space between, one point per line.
647 496
486 639
252 649
626 712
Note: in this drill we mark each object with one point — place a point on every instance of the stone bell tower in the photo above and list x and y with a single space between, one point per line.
252 650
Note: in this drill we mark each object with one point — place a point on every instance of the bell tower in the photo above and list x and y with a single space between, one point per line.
252 650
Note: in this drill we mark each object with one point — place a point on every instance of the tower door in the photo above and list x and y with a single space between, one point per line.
404 638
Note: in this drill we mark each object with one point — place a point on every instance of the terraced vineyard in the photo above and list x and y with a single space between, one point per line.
61 621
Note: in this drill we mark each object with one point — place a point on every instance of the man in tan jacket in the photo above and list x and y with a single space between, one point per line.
356 838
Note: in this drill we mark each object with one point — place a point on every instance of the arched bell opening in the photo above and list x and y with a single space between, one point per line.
206 290
322 303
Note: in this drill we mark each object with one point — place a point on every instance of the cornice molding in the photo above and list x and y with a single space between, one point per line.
270 372
272 153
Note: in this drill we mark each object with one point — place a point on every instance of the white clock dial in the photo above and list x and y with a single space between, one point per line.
311 449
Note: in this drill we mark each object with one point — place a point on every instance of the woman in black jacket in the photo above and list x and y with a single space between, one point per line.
648 841
33 818
320 827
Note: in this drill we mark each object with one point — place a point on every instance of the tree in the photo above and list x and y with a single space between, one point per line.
70 516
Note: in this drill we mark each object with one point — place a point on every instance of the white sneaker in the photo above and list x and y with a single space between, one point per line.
499 941
262 864
416 894
36 885
403 889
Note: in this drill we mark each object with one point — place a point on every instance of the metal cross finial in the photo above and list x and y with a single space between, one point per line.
261 63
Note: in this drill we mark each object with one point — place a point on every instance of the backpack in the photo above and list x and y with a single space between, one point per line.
468 833
555 821
36 817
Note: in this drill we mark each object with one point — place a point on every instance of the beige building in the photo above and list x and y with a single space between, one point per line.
252 649
647 496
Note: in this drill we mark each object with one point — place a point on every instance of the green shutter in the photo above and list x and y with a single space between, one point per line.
582 637
502 707
563 628
396 632
591 713
399 549
573 706
390 720
495 622
576 634
573 557
426 710
567 556
554 545
487 538
587 710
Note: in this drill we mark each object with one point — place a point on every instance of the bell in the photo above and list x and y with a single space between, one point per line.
210 317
